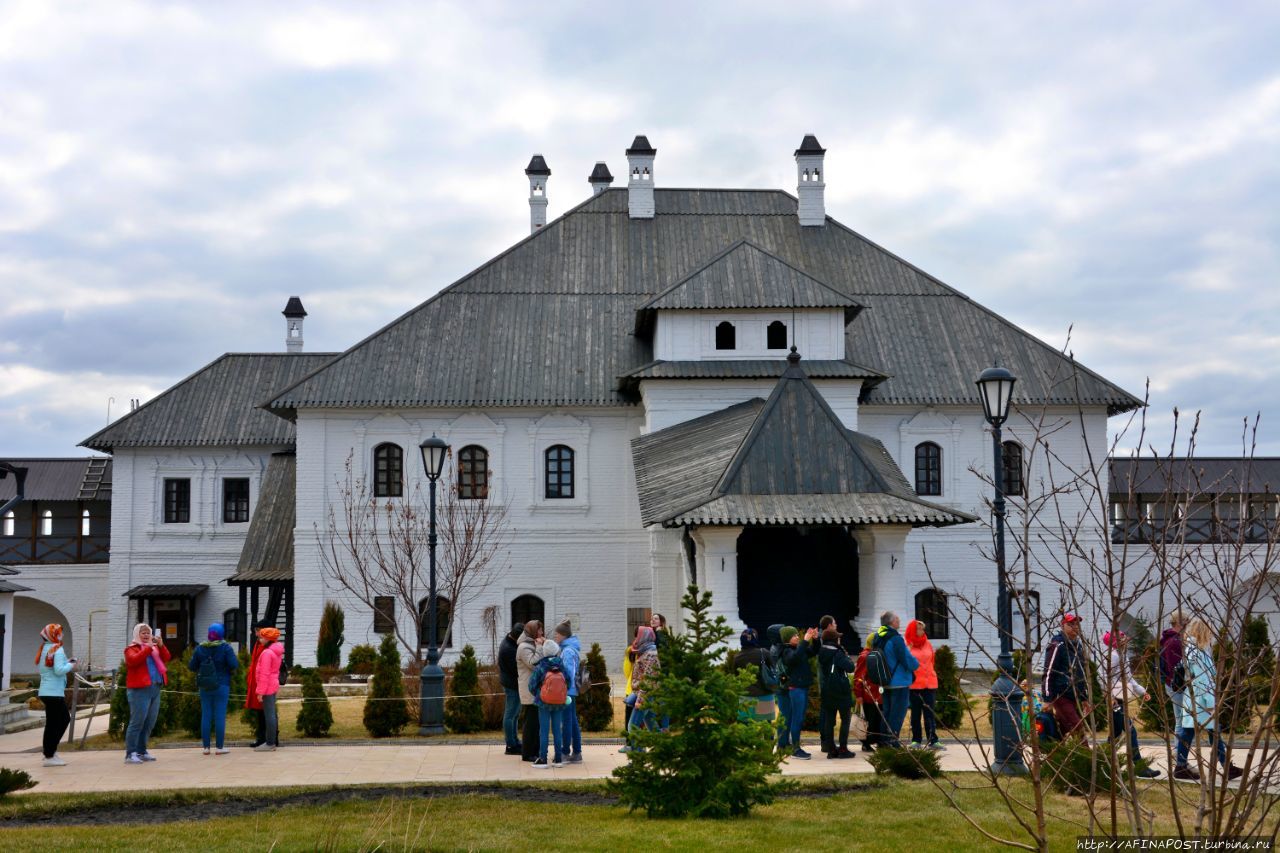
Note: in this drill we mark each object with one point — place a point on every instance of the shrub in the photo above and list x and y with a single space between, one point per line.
906 763
595 707
464 710
329 645
14 780
362 659
952 702
1158 715
1076 769
711 762
118 720
186 696
494 699
316 716
386 713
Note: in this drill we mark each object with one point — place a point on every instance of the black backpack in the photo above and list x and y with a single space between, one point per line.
207 676
1179 680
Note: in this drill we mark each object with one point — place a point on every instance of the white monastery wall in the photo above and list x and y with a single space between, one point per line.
71 594
668 402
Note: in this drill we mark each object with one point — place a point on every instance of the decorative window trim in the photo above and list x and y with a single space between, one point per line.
479 429
923 470
511 607
395 486
471 462
931 425
548 596
575 434
555 460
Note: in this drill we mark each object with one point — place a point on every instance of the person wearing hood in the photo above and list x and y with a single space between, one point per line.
550 712
266 683
571 657
795 659
837 697
145 673
54 668
646 665
774 635
867 692
510 680
924 688
759 698
1123 686
1170 657
214 683
528 651
902 667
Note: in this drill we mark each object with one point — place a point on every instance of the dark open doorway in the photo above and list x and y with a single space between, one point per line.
795 575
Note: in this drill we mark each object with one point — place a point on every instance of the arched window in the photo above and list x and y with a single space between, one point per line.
46 523
9 523
473 473
525 608
84 523
776 335
559 470
928 469
726 336
444 615
388 471
931 609
1014 481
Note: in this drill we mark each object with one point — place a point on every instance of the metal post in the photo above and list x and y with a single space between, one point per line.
75 696
431 682
1006 695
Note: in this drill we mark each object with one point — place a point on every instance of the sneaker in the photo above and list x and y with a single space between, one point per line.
54 762
801 754
937 746
575 758
625 748
146 756
206 750
132 758
1234 772
541 764
1149 773
222 751
557 763
1186 774
845 753
265 747
915 744
866 747
832 754
513 750
527 757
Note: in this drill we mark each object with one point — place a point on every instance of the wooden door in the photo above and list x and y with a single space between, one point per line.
173 630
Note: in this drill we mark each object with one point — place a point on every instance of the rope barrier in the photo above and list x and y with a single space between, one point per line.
366 698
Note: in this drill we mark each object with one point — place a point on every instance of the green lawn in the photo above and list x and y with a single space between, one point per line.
894 815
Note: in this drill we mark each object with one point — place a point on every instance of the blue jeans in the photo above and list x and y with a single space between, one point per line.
893 705
572 732
641 718
144 707
511 717
549 721
272 724
213 709
1187 736
797 703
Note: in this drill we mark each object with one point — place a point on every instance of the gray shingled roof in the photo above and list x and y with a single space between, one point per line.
1204 475
215 406
749 462
548 322
755 368
268 547
56 480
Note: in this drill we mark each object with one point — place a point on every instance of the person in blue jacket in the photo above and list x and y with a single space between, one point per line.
54 667
896 695
571 658
214 682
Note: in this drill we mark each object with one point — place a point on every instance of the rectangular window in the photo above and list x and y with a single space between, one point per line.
235 500
384 614
177 501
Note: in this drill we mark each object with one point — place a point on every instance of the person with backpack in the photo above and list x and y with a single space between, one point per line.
509 679
759 701
924 688
1124 686
54 668
528 650
213 661
1171 660
836 694
795 659
571 657
891 666
145 674
549 686
867 692
1199 702
776 646
266 684
1066 677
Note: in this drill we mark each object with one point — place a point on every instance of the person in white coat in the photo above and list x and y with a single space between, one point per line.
1122 687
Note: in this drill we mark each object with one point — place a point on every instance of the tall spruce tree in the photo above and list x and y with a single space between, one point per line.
386 712
713 761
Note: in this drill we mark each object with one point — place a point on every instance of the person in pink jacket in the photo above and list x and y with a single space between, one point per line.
266 678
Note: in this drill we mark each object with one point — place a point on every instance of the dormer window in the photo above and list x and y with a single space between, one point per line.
726 336
776 335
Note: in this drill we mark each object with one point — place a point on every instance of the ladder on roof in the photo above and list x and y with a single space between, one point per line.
92 482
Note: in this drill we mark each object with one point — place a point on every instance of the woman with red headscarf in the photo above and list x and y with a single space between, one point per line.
54 666
924 688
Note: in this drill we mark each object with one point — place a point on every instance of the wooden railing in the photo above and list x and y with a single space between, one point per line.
1194 532
55 549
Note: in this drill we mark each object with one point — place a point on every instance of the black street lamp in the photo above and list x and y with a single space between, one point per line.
995 387
431 680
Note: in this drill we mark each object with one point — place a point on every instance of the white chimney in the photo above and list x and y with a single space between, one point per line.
294 314
538 173
809 179
600 178
640 178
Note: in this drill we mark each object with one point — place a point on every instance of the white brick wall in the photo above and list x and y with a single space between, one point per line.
74 592
818 334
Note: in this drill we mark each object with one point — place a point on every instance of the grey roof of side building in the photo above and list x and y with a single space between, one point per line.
549 321
1203 475
267 555
215 406
59 479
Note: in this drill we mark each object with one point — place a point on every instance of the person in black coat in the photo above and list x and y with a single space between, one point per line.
796 652
510 687
834 669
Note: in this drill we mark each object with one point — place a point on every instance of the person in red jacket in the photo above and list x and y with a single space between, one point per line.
924 688
266 683
251 700
145 675
868 694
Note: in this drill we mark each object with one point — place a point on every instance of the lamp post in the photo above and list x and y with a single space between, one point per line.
995 388
431 680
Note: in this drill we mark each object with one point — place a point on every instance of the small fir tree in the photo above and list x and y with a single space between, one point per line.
464 710
714 761
595 707
316 716
185 697
386 712
362 659
118 721
14 780
951 699
329 645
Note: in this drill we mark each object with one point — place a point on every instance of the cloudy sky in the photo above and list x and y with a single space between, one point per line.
170 174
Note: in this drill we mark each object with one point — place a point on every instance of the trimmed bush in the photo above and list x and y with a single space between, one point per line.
329 644
595 708
14 780
386 713
316 716
464 709
1077 770
906 763
186 700
362 660
952 702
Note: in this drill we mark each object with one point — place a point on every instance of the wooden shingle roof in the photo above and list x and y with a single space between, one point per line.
61 479
267 554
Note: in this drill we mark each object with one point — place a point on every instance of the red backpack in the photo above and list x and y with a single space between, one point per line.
555 690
